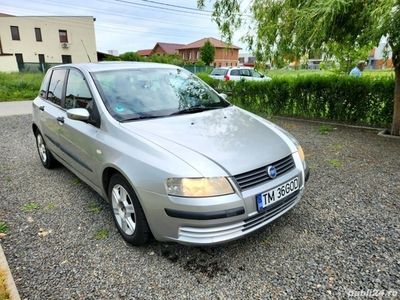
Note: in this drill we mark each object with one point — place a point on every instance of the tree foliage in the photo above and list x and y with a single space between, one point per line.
291 28
207 53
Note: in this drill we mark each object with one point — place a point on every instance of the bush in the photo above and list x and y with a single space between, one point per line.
366 100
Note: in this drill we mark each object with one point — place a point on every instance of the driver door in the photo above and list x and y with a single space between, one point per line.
79 138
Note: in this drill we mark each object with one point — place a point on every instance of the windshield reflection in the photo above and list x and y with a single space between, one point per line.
132 94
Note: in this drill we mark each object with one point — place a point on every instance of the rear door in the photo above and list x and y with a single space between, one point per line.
78 138
49 109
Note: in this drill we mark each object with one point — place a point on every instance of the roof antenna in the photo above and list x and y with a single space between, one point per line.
86 51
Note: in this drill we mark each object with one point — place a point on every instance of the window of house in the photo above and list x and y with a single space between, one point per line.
56 86
38 34
15 33
78 94
63 36
66 59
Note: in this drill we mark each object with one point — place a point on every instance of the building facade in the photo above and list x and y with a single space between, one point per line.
225 55
35 42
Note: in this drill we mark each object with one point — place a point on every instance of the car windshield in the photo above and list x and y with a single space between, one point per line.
219 72
132 94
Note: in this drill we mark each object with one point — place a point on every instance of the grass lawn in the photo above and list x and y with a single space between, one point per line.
19 86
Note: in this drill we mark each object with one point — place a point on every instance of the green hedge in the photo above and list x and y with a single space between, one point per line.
366 100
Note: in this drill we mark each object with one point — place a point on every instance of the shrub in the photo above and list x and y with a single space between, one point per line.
366 100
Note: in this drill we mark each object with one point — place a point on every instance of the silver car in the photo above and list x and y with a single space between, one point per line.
172 156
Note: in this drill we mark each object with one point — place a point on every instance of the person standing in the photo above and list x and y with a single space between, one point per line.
357 70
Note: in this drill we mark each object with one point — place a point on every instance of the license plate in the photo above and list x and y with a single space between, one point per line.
267 198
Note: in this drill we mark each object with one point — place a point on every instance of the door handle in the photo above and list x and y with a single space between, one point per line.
41 108
60 119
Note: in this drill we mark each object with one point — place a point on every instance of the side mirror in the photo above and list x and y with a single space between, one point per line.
225 96
79 114
262 75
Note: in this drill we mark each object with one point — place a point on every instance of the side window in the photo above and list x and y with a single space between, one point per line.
44 86
235 73
245 72
78 94
56 86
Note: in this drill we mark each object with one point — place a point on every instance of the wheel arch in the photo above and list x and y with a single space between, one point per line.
35 128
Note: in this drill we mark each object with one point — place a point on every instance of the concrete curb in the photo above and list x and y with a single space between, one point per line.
385 134
330 123
10 284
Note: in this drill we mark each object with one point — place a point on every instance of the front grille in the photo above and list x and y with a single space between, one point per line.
258 176
270 212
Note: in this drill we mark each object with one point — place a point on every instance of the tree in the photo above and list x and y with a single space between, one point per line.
207 53
131 56
292 28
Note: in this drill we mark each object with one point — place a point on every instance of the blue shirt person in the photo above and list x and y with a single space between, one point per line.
357 71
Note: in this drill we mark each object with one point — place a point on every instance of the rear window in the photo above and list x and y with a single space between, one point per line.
219 72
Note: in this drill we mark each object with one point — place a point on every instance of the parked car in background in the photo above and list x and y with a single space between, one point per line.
173 157
237 73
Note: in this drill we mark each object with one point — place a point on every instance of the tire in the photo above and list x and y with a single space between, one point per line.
45 155
127 212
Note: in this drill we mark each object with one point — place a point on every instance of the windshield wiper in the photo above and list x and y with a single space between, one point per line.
194 109
141 117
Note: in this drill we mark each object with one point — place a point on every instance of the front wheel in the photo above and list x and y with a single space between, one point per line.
45 155
127 212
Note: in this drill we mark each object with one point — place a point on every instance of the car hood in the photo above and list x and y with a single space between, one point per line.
235 140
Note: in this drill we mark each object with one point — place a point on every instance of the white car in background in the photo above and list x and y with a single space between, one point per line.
238 73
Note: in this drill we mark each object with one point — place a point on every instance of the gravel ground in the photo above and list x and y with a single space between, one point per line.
342 238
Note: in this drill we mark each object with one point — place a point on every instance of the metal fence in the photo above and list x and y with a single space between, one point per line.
196 69
35 67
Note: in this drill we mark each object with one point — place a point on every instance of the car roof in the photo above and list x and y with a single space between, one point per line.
109 66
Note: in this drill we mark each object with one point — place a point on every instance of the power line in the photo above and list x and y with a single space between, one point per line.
177 6
161 8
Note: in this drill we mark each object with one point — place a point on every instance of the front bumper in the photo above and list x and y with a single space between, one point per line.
210 221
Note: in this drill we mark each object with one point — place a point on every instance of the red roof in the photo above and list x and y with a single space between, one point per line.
144 52
168 48
215 42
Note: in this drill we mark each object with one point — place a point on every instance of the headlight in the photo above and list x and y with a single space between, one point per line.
198 187
302 156
301 153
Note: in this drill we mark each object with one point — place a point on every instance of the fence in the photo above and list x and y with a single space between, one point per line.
35 67
197 69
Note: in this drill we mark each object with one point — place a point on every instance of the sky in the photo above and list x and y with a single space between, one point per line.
131 25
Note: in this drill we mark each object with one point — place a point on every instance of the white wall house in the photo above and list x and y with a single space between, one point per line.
30 42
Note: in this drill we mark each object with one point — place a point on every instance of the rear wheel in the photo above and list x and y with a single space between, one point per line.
127 211
45 155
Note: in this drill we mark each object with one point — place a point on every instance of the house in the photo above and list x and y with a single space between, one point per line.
380 57
144 52
161 49
36 42
166 48
225 54
246 59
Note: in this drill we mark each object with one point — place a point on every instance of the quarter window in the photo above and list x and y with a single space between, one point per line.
15 33
56 86
235 73
63 36
78 94
38 34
